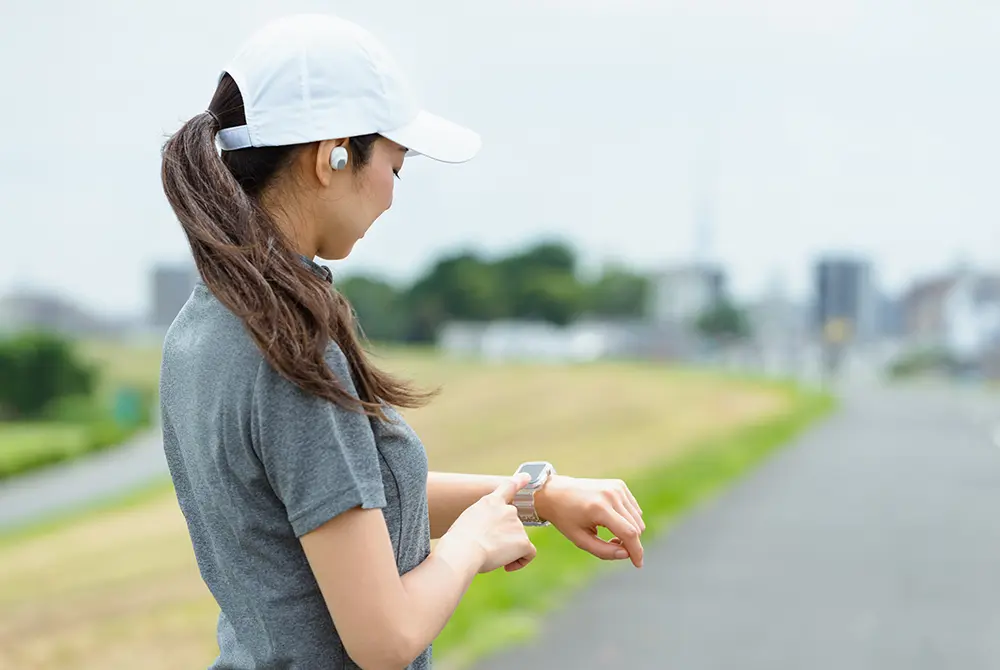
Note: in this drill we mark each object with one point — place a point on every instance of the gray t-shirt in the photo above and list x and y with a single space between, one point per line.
256 464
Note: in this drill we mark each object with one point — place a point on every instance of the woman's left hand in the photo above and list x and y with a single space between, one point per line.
576 507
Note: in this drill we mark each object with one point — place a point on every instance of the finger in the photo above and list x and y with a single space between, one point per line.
529 555
626 532
622 507
516 565
607 551
628 494
521 562
620 504
633 513
509 487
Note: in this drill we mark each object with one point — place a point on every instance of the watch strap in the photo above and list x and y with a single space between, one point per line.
524 501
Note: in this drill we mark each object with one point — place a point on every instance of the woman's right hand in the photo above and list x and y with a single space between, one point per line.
492 526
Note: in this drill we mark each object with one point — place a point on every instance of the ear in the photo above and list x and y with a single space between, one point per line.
325 173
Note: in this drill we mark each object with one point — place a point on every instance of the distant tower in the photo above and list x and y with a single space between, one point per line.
703 224
704 205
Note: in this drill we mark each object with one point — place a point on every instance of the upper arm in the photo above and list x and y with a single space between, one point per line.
322 463
320 459
352 559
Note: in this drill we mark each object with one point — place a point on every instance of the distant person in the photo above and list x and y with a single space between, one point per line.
306 494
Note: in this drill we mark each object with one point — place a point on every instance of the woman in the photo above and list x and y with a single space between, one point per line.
307 496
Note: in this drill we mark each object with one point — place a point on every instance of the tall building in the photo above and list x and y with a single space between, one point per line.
846 300
171 287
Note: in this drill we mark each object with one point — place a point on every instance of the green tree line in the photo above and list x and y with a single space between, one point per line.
542 282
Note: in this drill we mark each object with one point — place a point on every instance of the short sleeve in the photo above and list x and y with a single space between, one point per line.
320 459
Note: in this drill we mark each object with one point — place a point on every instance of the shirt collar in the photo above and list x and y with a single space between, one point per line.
321 271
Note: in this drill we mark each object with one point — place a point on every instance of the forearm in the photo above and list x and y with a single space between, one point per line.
433 590
449 494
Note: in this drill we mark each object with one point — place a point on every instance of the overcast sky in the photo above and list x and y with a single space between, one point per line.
809 125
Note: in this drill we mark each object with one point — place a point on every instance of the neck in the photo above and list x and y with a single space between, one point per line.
293 225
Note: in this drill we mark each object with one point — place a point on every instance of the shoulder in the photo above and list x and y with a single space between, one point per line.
207 346
267 378
205 325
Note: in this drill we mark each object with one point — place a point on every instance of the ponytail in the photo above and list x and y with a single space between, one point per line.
248 263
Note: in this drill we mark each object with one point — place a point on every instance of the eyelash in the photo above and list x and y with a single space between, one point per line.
396 172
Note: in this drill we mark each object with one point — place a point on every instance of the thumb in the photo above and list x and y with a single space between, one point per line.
507 489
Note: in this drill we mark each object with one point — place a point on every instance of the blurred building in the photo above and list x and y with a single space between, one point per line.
779 329
45 312
924 310
584 340
171 287
958 313
680 294
990 361
846 299
890 321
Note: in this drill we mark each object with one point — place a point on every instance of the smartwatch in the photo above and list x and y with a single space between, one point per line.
524 500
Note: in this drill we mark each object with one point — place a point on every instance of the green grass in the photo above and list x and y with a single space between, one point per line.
505 609
22 445
31 445
78 426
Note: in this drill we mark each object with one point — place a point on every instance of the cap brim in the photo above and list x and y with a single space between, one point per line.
437 138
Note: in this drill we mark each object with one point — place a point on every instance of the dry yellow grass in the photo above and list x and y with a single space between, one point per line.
121 589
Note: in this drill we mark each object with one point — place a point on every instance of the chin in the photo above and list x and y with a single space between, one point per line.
337 254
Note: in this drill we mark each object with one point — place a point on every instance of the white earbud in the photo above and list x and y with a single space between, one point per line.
338 158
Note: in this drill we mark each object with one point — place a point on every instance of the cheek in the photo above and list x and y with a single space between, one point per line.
384 188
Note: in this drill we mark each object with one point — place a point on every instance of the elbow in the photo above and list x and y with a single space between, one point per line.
393 651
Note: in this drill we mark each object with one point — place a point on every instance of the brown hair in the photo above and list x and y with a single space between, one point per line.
250 266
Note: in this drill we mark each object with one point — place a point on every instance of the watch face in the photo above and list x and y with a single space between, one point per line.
534 470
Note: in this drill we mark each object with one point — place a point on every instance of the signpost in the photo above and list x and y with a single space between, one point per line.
837 333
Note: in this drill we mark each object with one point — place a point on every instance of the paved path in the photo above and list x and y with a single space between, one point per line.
64 487
874 543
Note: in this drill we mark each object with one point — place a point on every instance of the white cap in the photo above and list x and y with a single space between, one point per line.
313 77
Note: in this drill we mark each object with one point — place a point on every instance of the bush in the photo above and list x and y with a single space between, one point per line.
36 371
921 362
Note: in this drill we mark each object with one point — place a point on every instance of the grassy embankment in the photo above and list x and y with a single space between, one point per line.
114 587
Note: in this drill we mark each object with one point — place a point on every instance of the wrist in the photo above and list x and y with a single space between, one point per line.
546 498
461 554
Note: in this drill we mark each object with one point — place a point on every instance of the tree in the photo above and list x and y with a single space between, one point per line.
460 287
467 288
541 283
552 255
618 293
36 371
378 305
536 283
723 321
547 295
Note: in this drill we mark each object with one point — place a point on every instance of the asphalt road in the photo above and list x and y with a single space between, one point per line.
872 543
65 487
